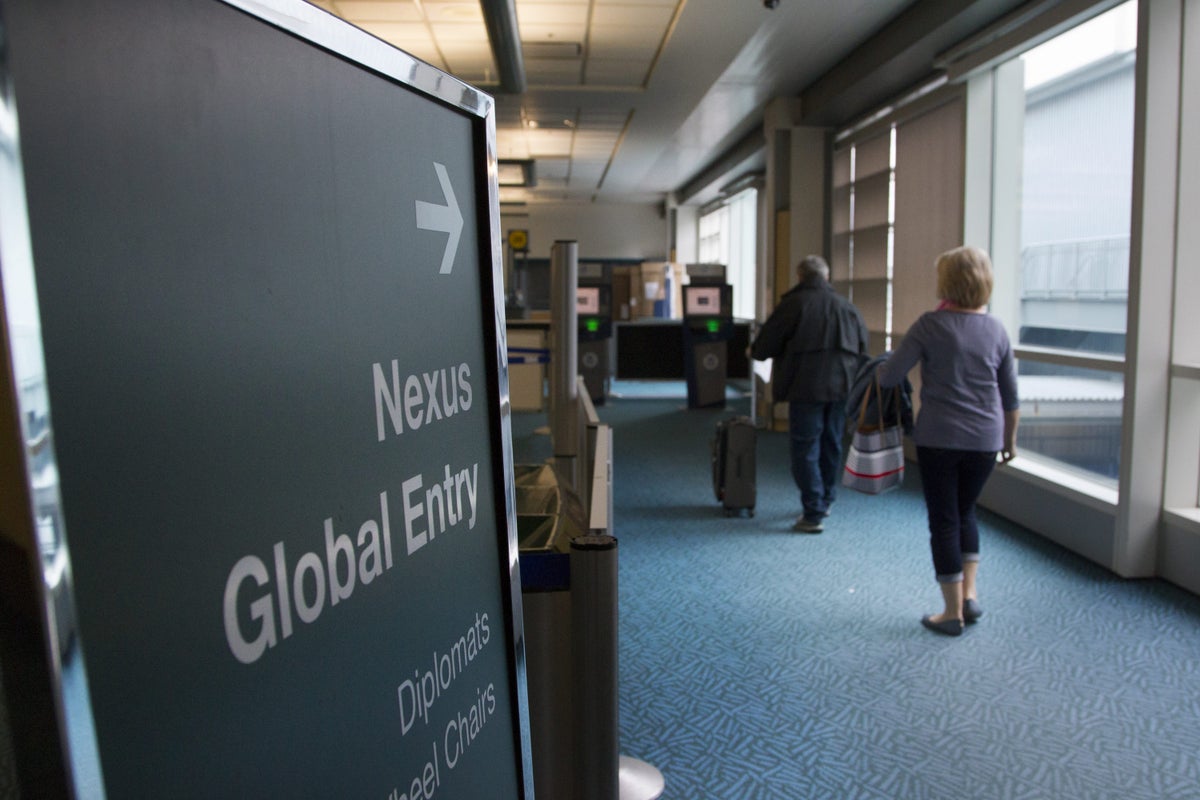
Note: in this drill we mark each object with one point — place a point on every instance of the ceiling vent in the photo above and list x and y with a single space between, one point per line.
553 51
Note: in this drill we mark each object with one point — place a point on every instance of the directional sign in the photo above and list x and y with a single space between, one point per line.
275 399
446 218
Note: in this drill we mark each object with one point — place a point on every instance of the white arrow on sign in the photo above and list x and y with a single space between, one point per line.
447 219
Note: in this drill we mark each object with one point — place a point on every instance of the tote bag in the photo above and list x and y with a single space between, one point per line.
875 461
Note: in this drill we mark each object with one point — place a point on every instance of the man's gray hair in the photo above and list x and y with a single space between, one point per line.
813 265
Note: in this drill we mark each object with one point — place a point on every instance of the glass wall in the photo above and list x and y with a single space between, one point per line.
1062 205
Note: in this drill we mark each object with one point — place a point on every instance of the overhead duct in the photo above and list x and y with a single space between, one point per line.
899 55
500 17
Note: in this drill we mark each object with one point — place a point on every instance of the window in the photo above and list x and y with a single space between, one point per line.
864 229
1063 172
713 246
729 236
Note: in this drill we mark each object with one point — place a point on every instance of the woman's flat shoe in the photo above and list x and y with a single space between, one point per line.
971 610
947 627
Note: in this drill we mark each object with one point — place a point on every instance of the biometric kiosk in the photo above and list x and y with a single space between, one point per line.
593 306
707 329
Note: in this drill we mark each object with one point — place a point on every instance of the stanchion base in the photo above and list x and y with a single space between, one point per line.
639 780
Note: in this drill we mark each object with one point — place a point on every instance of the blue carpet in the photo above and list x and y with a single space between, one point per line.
760 663
665 389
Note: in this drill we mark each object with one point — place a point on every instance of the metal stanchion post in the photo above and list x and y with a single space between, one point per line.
600 773
564 358
594 647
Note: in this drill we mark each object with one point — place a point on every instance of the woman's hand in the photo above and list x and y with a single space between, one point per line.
1009 451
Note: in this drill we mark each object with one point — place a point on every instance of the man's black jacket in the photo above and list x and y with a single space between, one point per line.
818 339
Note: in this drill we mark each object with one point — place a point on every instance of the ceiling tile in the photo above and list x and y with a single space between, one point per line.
594 145
612 41
465 51
587 173
469 60
551 14
655 18
543 143
552 73
452 11
551 116
594 154
511 146
539 32
510 149
461 32
508 122
600 118
379 10
424 51
626 72
552 169
479 75
395 32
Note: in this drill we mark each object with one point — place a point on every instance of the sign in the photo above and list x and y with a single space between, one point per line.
266 252
518 240
448 218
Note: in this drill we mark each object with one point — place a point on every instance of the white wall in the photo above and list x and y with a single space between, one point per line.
617 231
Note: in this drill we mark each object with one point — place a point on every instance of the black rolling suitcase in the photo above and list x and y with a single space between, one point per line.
733 454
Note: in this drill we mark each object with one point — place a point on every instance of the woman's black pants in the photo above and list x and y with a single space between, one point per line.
952 481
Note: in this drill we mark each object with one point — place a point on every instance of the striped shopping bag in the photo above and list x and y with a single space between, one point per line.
875 461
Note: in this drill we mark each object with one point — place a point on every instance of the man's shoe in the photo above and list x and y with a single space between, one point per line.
971 610
947 627
808 526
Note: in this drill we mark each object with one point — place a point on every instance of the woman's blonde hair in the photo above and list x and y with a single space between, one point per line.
964 277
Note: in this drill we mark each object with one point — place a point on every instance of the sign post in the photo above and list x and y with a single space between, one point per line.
268 267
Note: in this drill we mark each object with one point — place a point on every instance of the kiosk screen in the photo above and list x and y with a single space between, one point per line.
703 301
587 300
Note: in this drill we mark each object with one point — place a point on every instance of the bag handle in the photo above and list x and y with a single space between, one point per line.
862 411
862 408
879 404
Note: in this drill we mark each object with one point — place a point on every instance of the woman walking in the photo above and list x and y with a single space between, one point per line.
968 414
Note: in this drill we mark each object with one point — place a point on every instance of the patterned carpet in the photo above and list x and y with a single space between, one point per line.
760 663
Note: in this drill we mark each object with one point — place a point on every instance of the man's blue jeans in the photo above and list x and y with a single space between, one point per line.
816 431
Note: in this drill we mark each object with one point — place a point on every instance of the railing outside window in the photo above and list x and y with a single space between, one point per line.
1095 269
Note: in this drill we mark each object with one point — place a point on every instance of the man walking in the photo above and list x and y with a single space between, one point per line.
818 339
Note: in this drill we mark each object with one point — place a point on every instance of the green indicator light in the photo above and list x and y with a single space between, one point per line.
713 326
593 325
